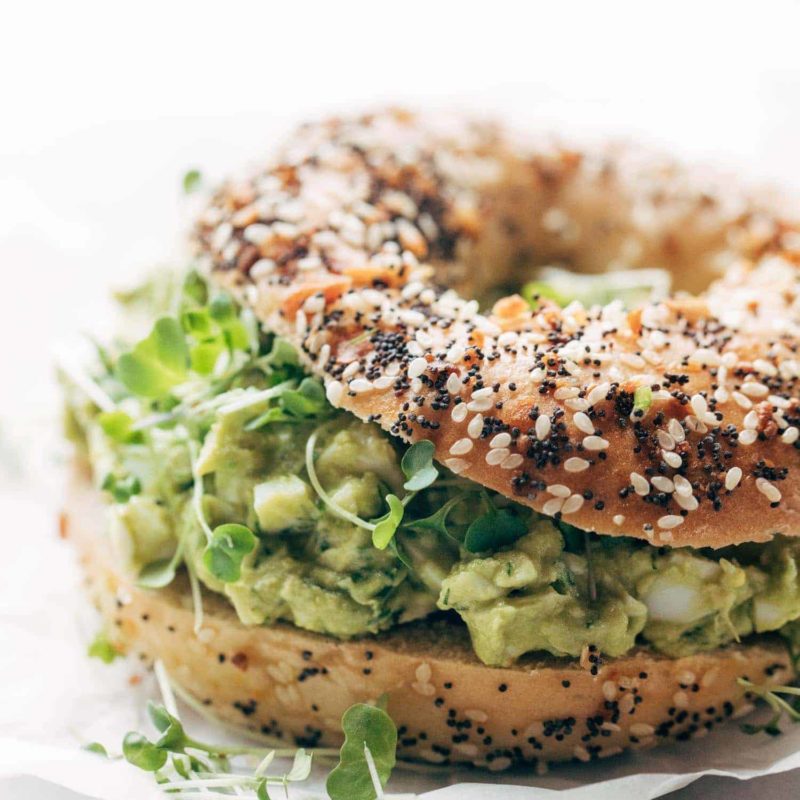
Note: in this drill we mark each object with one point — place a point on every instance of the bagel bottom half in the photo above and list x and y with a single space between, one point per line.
448 706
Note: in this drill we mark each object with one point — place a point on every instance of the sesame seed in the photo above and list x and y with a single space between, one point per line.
542 427
309 263
598 393
583 423
459 412
257 234
663 484
670 521
512 461
262 268
686 502
351 369
461 447
769 490
481 404
360 385
751 420
457 465
496 456
755 389
566 392
453 384
609 690
455 354
595 443
641 729
765 367
741 400
790 435
581 753
748 436
552 506
576 404
501 440
640 484
732 478
576 464
559 490
334 391
475 426
699 405
417 367
665 440
572 504
671 459
682 486
632 360
619 519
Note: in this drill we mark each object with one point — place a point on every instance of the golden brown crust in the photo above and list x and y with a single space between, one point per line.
448 706
341 243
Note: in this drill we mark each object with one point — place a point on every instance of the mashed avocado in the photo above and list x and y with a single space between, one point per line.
227 459
535 596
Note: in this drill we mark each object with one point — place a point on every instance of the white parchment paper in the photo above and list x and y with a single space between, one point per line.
54 698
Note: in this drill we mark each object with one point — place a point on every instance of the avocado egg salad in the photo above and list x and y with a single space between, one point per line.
218 455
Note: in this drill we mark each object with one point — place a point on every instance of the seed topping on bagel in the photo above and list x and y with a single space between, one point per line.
642 422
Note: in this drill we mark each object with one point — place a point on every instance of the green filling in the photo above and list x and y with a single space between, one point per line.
202 453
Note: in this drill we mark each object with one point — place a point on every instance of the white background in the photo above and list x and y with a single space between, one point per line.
103 106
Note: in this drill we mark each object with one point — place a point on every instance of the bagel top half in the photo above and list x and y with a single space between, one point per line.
367 242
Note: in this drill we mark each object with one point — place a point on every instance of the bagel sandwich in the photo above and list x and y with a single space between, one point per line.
423 420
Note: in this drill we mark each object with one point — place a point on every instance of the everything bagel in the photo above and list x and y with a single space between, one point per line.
604 545
536 404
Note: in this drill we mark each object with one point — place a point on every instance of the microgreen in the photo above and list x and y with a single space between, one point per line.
103 649
195 289
628 287
121 488
493 530
157 363
780 707
160 573
308 400
437 521
386 527
535 291
417 466
367 730
157 574
141 752
642 398
282 354
118 426
96 748
229 545
180 763
191 181
419 472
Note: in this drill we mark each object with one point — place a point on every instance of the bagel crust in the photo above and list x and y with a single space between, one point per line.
354 241
448 706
